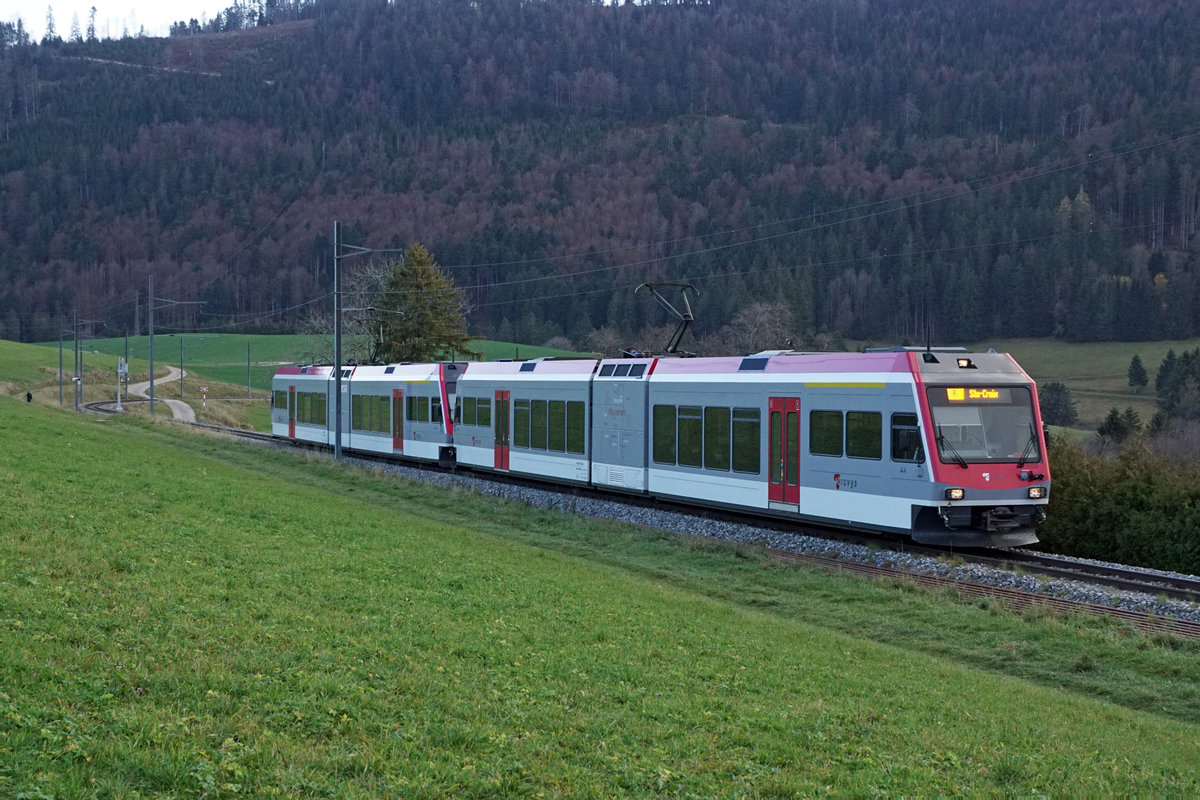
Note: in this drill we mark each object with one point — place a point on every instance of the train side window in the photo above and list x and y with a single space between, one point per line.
906 439
664 434
537 424
422 409
576 427
435 414
691 436
470 411
383 421
716 438
320 416
410 410
520 423
485 412
556 426
281 399
746 440
825 433
356 412
864 434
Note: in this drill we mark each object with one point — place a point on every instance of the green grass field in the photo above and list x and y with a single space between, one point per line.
187 616
223 357
1097 373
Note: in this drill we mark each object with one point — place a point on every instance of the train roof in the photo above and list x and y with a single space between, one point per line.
400 372
555 367
785 363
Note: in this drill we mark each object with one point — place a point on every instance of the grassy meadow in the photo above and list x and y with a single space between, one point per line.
1097 373
184 615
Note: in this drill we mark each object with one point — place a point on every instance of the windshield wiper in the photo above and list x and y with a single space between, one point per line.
944 442
1030 449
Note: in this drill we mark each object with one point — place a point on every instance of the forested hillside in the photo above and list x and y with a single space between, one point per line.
869 169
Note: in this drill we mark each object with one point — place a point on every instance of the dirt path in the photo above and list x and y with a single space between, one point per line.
182 411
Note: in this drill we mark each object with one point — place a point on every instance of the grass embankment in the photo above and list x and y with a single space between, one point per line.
34 369
184 615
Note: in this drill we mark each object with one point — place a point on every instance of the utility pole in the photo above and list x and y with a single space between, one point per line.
75 344
247 370
337 340
338 247
150 308
60 375
181 366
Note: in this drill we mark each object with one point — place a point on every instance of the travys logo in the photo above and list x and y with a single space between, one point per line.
840 483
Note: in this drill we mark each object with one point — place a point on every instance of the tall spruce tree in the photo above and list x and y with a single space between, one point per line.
422 314
1137 374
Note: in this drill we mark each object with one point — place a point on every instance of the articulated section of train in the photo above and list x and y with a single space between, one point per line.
944 445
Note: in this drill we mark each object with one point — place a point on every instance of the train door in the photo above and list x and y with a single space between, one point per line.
784 450
397 419
291 412
502 429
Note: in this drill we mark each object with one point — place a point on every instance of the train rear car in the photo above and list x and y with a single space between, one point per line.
300 407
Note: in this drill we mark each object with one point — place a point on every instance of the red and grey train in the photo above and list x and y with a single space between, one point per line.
944 445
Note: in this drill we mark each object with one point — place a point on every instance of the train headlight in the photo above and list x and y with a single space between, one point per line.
956 494
1037 492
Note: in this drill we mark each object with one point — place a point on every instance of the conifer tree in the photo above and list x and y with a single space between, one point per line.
1137 374
422 315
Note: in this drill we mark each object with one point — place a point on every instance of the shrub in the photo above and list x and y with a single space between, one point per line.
1136 507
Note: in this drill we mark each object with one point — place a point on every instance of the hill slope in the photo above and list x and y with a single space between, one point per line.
240 620
870 169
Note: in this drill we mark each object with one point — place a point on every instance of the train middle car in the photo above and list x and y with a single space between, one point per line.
944 446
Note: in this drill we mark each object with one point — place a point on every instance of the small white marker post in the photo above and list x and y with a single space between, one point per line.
204 397
122 372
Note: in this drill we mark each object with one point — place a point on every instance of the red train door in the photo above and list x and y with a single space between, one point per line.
502 429
397 419
291 412
784 450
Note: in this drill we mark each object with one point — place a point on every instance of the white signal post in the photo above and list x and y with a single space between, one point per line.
204 397
122 374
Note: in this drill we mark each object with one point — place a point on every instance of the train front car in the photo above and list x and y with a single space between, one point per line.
981 423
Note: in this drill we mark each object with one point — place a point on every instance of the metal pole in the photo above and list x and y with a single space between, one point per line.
60 333
247 370
337 341
127 367
75 347
181 366
150 310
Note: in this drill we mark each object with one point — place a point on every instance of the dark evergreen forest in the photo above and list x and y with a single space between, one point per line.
876 169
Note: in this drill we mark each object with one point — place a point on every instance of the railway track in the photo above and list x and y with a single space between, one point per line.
1018 600
1114 576
1176 587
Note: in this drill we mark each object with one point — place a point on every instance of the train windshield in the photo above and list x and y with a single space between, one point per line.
984 424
